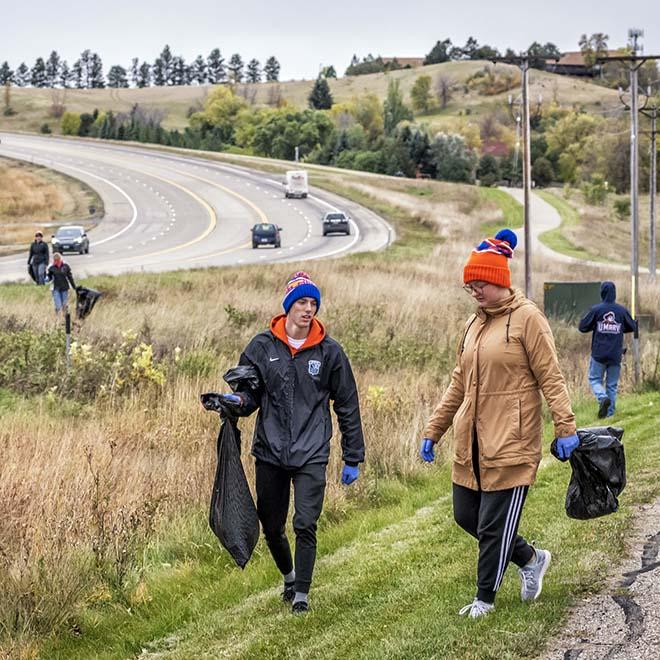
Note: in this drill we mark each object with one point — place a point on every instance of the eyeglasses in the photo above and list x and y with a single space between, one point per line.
475 288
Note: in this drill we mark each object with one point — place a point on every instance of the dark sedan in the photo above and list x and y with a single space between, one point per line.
336 222
266 233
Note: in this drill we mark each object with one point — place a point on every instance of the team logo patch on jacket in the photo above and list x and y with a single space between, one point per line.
609 325
313 366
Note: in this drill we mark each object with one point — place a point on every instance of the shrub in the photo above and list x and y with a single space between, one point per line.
542 172
622 207
45 129
488 171
70 124
595 191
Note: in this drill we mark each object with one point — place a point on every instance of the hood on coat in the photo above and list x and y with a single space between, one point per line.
608 292
316 333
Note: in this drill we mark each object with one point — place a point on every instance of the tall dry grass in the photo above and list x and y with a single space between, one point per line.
86 484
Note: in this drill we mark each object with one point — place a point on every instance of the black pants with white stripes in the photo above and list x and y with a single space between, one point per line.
492 518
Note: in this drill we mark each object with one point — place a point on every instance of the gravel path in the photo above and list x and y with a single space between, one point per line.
622 622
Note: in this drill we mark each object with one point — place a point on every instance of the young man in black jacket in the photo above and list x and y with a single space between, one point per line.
608 321
60 275
300 370
38 258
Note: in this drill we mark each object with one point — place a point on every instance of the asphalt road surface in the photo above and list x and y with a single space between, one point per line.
168 212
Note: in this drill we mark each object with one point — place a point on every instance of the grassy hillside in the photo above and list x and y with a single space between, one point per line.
36 198
33 105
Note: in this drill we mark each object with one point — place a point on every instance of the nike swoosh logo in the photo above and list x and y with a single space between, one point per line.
274 359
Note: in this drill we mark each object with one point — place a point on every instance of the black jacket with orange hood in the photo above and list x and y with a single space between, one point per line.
294 426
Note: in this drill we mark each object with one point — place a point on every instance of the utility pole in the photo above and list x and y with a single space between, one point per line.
652 114
522 61
635 62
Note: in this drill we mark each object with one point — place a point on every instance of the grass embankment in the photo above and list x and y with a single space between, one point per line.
35 198
131 455
594 232
389 581
33 107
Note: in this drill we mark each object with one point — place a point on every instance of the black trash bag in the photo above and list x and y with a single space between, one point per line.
233 515
32 273
85 301
598 473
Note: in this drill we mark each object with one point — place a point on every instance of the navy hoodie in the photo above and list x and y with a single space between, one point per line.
608 321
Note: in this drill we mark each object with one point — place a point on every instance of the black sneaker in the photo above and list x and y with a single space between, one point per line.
603 408
301 607
289 593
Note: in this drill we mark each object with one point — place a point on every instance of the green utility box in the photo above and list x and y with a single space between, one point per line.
569 301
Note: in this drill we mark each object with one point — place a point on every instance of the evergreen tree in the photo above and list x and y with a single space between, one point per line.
135 71
253 71
394 108
144 75
86 69
65 74
235 67
77 75
53 65
158 73
38 73
272 69
117 77
96 72
167 62
320 97
198 70
329 72
22 75
6 74
439 53
215 67
180 71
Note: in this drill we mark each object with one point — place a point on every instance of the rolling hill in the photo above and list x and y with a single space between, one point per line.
33 106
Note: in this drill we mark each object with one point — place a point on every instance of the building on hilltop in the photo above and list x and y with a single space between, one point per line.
573 64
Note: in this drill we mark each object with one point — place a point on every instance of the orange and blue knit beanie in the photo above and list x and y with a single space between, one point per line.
300 286
488 261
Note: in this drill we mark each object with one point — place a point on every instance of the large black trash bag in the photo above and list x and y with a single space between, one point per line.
233 516
32 273
85 301
599 473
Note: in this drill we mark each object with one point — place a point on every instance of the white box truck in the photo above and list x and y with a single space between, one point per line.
296 184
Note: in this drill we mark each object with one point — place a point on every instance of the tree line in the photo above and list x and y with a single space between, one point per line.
166 70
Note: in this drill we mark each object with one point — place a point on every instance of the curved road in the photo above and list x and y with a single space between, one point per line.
167 212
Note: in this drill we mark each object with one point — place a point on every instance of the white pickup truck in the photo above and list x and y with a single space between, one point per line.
296 184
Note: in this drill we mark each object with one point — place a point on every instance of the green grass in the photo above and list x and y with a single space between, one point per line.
555 238
511 208
389 580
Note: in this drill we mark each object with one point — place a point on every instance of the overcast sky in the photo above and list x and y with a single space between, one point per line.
305 35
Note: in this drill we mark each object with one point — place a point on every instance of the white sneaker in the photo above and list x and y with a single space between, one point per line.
476 609
531 575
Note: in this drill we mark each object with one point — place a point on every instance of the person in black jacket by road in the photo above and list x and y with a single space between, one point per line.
60 275
38 258
608 321
300 370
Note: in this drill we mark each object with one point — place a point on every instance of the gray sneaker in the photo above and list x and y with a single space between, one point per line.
531 575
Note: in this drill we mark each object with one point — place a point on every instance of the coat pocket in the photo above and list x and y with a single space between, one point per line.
500 432
462 428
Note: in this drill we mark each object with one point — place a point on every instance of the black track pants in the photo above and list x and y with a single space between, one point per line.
273 491
492 518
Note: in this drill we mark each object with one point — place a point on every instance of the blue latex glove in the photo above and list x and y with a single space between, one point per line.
565 446
233 398
349 474
427 450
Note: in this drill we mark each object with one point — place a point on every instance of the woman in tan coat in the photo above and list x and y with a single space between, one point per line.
505 361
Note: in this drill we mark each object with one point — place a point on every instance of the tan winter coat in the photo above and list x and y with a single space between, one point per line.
506 359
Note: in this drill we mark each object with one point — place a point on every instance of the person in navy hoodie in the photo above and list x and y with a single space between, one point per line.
608 321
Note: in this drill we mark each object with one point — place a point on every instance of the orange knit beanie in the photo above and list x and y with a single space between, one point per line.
488 262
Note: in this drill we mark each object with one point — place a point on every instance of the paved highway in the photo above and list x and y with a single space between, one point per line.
168 212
